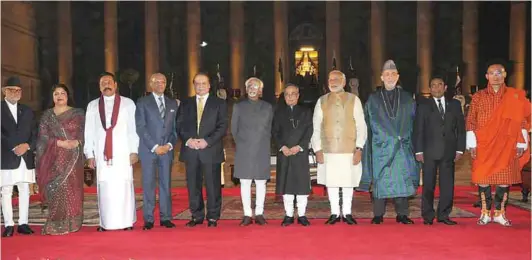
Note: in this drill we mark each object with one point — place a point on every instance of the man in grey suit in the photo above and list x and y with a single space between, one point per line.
156 117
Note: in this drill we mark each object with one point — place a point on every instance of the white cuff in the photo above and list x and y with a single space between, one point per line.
419 153
460 152
171 146
525 144
154 147
471 140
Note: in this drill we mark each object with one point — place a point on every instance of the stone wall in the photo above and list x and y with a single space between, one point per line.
20 49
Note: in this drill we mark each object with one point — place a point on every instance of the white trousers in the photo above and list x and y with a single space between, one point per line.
260 196
334 199
288 200
23 203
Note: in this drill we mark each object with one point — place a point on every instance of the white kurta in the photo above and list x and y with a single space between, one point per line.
338 169
21 174
116 194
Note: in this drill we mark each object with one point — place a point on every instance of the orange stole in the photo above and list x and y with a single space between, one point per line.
497 140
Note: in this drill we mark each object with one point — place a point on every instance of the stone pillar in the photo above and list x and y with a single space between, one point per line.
377 40
151 51
236 32
332 36
193 42
64 50
280 23
518 44
470 45
424 46
111 35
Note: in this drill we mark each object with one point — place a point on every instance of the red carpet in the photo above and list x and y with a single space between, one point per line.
229 241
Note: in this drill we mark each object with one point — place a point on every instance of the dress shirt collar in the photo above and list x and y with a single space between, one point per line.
111 98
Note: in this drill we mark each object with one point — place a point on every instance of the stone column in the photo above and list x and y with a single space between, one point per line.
470 45
151 51
377 40
332 21
518 44
280 23
64 52
424 46
193 42
236 32
111 35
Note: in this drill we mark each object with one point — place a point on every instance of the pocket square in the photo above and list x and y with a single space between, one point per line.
171 110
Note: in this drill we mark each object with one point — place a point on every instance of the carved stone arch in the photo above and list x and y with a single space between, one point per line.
306 34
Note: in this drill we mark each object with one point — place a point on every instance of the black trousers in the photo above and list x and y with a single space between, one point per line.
195 170
446 185
401 206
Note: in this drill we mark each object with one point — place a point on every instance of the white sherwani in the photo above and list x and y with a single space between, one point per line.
116 194
338 169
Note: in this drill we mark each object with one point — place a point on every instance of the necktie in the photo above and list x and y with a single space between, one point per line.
440 107
161 107
200 111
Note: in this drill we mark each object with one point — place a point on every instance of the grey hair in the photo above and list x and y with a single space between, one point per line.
248 82
339 72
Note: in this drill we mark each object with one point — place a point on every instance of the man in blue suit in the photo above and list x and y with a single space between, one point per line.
156 122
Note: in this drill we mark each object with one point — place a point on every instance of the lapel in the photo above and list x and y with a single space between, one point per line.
167 108
153 103
447 111
206 107
436 109
8 112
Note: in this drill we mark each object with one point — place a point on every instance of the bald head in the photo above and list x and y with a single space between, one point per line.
158 83
336 81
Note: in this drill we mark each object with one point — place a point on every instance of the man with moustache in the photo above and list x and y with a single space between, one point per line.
439 141
497 138
202 122
156 116
389 163
292 130
111 146
19 140
251 125
339 135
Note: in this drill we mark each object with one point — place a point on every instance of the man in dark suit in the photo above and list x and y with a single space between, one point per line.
19 139
202 122
155 118
439 141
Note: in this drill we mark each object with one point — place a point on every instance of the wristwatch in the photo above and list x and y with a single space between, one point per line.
359 149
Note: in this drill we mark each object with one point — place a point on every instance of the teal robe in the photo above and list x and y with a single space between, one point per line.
388 161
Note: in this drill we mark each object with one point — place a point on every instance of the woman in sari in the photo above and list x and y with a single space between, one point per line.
60 163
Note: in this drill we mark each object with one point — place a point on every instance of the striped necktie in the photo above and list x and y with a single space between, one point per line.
161 107
440 108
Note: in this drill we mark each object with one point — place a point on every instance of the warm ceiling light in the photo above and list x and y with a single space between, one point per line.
306 49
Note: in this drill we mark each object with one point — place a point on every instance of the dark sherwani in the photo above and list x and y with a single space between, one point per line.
291 128
388 161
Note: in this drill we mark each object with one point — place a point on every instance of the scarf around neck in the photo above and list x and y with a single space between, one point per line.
108 150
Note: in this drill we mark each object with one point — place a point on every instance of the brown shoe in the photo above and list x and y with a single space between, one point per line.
246 221
260 220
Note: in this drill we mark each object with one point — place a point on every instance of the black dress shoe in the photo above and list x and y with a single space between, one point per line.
428 222
101 229
287 221
147 226
403 219
447 221
349 219
246 221
303 221
167 224
332 220
212 223
128 229
259 219
377 220
8 232
24 229
194 222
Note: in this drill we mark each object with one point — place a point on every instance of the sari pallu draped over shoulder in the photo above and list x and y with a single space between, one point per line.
497 140
60 170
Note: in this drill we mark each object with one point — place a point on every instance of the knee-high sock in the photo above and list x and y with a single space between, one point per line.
23 202
288 201
7 207
334 200
260 196
245 193
347 199
301 205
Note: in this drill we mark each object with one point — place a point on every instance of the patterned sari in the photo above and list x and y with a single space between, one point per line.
60 170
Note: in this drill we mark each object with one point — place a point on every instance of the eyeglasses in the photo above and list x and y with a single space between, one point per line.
14 90
292 94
